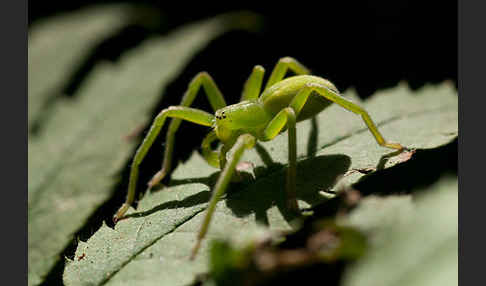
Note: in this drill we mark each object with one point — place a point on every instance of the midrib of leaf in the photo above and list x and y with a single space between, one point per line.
138 251
251 194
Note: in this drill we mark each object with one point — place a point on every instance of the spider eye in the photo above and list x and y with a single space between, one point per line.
220 116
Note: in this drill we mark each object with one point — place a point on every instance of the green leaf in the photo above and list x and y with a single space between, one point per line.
152 247
413 242
73 162
58 45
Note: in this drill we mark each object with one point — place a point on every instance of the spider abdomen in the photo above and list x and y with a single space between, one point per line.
278 96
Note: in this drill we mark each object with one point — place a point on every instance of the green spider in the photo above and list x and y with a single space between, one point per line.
256 117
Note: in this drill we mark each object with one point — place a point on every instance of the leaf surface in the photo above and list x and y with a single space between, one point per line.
59 45
73 162
152 246
413 242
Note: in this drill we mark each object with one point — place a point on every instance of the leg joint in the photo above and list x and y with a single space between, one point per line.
286 60
203 75
258 68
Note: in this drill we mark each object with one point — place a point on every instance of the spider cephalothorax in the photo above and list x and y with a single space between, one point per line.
248 116
258 116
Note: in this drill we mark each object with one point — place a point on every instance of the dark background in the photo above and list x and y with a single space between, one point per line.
368 45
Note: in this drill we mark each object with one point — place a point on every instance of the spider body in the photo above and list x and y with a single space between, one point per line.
281 94
258 116
252 116
248 116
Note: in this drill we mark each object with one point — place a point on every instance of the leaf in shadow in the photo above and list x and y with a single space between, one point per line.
314 175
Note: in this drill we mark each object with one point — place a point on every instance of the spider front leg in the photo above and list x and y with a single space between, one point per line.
212 157
179 112
245 141
217 159
216 100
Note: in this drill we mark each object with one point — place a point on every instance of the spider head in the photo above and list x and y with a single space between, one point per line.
244 117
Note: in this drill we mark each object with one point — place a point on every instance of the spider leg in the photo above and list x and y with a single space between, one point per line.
180 112
212 157
286 116
281 68
253 84
222 155
244 141
216 100
299 101
216 159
